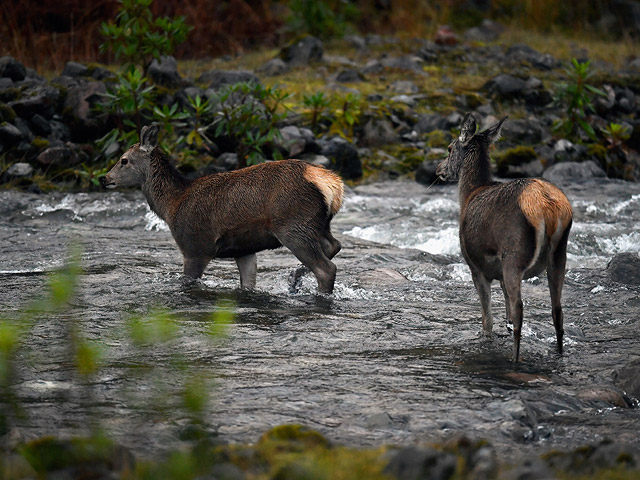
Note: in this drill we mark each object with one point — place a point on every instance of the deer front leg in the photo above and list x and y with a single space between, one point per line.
248 266
483 286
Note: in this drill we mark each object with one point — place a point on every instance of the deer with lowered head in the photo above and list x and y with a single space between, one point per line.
236 214
508 231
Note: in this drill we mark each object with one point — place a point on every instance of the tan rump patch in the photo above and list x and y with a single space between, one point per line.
543 202
329 183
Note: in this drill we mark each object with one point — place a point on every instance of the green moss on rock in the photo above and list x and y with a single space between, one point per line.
7 114
40 143
598 151
514 156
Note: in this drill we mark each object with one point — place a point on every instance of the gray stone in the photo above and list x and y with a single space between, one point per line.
426 172
40 125
60 157
344 155
379 131
292 140
39 99
228 161
413 463
506 86
75 69
302 52
219 78
521 53
570 171
349 75
84 123
404 86
12 68
625 268
524 131
10 134
379 420
275 66
165 72
20 169
628 376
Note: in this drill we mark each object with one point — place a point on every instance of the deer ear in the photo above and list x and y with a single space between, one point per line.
468 128
493 132
149 138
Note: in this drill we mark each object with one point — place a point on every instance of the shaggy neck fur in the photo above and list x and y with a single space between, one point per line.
475 171
163 185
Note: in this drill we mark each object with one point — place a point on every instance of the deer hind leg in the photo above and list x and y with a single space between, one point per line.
330 246
506 304
309 251
483 286
555 275
512 278
248 266
194 267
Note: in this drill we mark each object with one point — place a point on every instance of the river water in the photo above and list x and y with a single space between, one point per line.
395 356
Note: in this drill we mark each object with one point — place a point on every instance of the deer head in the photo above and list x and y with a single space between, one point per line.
133 166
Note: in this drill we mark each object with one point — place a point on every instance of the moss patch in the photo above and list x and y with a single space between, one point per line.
514 156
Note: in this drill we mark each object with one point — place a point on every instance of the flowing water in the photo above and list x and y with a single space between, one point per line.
395 356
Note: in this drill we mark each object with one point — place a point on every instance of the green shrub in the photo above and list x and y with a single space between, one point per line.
321 18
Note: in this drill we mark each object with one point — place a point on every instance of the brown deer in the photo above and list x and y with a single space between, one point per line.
236 214
508 231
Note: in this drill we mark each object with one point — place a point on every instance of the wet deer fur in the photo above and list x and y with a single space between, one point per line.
236 214
508 231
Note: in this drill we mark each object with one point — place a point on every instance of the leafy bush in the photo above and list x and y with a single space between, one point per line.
577 96
249 113
138 38
321 18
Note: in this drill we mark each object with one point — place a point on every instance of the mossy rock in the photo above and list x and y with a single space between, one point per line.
9 94
598 151
292 438
514 156
438 139
7 114
40 143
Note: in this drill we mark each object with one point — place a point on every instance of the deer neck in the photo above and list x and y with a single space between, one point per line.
163 187
475 173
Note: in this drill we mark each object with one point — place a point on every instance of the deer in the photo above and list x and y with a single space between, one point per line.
238 213
508 231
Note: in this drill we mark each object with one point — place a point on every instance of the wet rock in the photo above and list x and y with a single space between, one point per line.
19 170
344 156
302 52
426 172
505 86
275 66
219 78
446 36
534 469
75 69
380 277
165 72
40 125
79 115
349 75
591 458
628 377
521 53
379 131
12 68
10 135
413 463
570 171
379 420
524 131
60 157
608 396
625 268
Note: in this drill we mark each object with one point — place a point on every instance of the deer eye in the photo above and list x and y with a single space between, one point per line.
124 161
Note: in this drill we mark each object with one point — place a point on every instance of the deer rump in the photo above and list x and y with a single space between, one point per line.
261 207
522 221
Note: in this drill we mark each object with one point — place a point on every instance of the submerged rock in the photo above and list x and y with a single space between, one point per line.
628 379
625 268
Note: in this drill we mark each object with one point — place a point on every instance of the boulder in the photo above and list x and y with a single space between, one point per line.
506 86
625 268
10 135
19 170
589 459
40 99
302 51
219 78
275 66
344 156
12 68
293 141
40 125
426 172
379 131
60 157
570 171
75 69
524 131
413 463
84 123
520 53
628 377
165 72
349 75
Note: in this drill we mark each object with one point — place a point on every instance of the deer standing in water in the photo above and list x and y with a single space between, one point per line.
508 231
236 214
